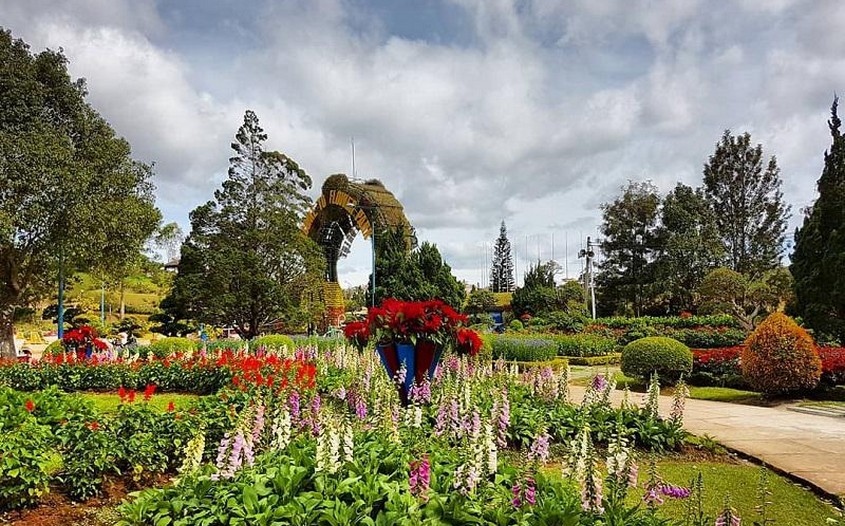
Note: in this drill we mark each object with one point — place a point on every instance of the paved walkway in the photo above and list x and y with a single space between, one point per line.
808 447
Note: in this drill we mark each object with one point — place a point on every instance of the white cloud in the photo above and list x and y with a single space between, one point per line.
537 115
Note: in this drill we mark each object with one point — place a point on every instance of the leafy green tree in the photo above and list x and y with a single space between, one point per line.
480 301
418 275
540 296
501 272
748 204
726 291
246 263
71 196
626 281
818 263
691 250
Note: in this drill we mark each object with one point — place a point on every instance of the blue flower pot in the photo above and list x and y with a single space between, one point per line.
407 357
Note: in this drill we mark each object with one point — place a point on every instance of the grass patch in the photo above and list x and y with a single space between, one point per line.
725 394
791 504
108 402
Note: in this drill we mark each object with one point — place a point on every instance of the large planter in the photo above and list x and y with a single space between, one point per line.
420 362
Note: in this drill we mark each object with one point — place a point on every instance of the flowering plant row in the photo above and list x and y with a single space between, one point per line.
438 459
199 373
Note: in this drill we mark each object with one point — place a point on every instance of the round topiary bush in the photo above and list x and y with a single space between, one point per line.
780 357
516 326
273 341
167 346
666 357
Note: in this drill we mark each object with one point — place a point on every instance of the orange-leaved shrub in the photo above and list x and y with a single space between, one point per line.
780 357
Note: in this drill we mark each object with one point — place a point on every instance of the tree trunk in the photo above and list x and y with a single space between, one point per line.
122 300
7 334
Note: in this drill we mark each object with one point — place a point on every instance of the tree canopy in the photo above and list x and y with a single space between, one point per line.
418 275
632 239
818 262
71 195
745 193
246 263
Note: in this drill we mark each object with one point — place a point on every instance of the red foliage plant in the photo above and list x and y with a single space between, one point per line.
780 357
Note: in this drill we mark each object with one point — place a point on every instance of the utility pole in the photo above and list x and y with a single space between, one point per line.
588 254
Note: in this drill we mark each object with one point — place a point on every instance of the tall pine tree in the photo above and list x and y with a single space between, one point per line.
501 274
246 261
747 200
819 258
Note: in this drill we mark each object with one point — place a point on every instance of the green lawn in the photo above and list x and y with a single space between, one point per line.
791 505
108 402
725 394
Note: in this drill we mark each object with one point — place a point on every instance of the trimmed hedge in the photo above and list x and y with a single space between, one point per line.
678 322
609 359
194 378
666 357
584 345
322 343
555 363
523 349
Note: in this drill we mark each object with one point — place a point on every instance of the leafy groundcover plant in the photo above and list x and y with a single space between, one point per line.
468 449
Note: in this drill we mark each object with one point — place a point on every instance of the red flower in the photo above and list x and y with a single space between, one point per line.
149 391
121 393
30 406
100 345
358 333
468 342
131 397
171 407
93 426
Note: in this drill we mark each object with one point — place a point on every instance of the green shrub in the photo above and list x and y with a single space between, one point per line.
515 326
678 322
609 359
322 343
167 346
25 460
666 357
584 345
523 349
53 349
273 341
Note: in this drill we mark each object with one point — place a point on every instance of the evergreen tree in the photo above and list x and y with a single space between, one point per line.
418 275
819 258
501 273
748 203
626 280
692 249
246 262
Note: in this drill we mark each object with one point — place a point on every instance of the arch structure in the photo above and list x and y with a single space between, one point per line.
345 208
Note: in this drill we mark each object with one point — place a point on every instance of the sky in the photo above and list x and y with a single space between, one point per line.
471 112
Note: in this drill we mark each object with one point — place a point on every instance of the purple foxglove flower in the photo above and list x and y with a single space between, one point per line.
530 492
516 490
599 383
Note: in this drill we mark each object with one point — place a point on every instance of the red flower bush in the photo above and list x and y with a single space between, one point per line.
409 321
833 365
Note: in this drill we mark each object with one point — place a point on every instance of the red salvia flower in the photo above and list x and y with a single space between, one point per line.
131 397
171 407
149 391
30 406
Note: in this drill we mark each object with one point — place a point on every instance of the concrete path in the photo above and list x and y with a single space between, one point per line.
808 447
